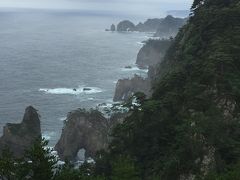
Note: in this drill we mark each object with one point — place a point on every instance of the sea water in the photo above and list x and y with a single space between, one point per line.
59 61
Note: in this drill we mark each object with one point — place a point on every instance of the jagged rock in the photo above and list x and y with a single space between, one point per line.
88 130
113 28
125 26
87 89
170 26
150 25
152 53
19 137
125 88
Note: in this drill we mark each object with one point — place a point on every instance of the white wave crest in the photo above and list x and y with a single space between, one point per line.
134 68
48 135
72 91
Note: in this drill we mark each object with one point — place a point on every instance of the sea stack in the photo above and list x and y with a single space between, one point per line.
126 26
19 137
83 130
113 28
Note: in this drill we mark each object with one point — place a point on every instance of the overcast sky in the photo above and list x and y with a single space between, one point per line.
134 7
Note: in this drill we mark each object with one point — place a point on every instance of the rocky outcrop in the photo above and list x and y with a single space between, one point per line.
149 56
126 26
113 28
125 88
170 26
152 53
19 137
150 25
88 130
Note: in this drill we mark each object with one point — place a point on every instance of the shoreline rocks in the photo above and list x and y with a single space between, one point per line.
152 53
125 88
19 137
125 25
88 130
149 56
161 27
169 27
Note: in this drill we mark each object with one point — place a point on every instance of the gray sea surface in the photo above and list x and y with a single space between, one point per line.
47 59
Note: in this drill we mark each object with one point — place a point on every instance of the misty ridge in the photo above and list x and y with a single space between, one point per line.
119 90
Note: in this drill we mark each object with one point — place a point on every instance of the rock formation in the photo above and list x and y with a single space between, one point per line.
152 53
150 25
125 88
149 56
126 26
113 28
163 27
88 130
170 26
19 137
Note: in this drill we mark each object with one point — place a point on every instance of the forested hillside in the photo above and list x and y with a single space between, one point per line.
190 128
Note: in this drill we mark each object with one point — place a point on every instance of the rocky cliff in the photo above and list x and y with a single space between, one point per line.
125 88
162 27
170 26
152 53
149 56
88 130
150 25
125 26
19 137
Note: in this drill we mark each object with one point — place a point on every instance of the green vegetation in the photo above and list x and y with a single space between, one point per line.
191 125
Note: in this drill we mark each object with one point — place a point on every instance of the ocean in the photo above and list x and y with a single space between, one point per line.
47 58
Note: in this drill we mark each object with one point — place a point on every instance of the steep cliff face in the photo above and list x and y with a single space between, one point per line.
169 27
152 53
150 25
88 130
125 88
19 137
149 56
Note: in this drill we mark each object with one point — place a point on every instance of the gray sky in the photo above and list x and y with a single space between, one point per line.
134 7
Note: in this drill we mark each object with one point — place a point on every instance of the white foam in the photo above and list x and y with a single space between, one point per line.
62 118
71 91
141 43
48 135
135 68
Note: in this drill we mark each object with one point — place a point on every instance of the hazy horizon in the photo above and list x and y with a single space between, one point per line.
151 8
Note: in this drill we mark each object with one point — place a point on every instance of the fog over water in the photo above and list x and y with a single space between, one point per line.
144 8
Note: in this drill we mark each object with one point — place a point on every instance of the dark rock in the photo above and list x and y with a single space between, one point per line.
19 137
125 88
74 89
87 130
125 26
87 89
128 67
170 26
113 28
151 25
152 53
